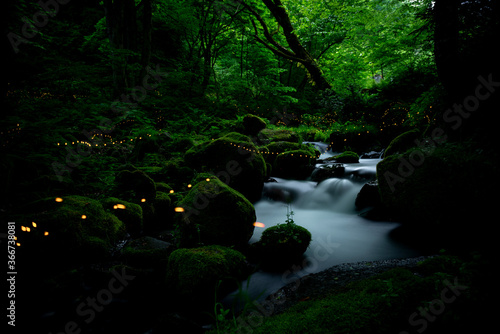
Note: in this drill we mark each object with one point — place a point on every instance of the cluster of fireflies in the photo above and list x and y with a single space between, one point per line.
272 153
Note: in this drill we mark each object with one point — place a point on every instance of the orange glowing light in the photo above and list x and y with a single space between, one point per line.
28 229
208 180
172 191
143 200
34 224
46 234
18 244
257 224
84 217
189 186
179 209
120 206
23 228
59 199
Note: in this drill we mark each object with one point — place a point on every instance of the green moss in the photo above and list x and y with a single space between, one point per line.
192 274
146 252
234 161
216 214
272 135
130 215
296 164
135 185
163 187
253 124
402 143
78 228
163 212
346 157
283 243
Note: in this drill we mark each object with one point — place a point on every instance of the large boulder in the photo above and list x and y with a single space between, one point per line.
253 124
235 160
439 190
297 164
135 185
74 228
194 275
129 213
146 252
282 244
214 213
402 143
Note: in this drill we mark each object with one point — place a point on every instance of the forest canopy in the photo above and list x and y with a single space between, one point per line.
120 70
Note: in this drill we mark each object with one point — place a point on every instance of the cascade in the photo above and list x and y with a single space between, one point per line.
327 210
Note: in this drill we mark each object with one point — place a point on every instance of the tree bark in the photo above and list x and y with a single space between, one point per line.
147 26
298 52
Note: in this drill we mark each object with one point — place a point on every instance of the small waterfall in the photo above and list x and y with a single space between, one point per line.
333 194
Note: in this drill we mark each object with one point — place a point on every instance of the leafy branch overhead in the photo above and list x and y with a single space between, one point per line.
296 51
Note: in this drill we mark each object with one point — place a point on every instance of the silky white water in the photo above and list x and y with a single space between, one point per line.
327 210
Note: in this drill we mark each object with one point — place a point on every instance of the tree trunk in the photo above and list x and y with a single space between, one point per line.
299 52
147 27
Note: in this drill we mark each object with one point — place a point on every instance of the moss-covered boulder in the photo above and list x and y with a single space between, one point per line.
129 213
402 143
194 274
75 229
253 124
235 161
282 244
214 213
274 149
135 185
297 164
163 212
273 135
438 190
146 252
345 157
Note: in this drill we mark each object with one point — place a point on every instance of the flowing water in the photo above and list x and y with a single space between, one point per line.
327 210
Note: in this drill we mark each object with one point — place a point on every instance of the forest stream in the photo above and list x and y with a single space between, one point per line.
339 234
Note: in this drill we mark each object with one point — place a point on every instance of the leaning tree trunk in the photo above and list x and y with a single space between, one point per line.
297 51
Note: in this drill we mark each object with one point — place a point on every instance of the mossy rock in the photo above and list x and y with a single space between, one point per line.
163 212
232 160
135 185
79 229
163 187
253 124
402 143
283 243
273 135
193 274
346 157
276 148
146 252
297 164
129 213
438 190
216 214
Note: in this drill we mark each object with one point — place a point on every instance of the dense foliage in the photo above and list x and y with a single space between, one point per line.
117 115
